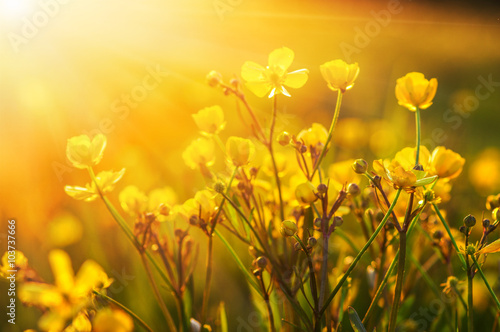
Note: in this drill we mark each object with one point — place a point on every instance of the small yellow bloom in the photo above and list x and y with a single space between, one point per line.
407 157
313 136
414 91
446 163
306 193
199 152
69 296
83 152
288 228
106 180
339 75
402 177
112 320
240 150
132 200
210 120
274 77
203 205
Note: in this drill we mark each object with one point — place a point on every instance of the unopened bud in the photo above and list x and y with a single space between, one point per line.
288 228
312 241
214 78
317 222
164 209
305 193
469 221
254 171
261 262
303 149
283 138
219 187
418 167
297 246
322 188
194 220
486 223
338 220
437 235
360 166
353 189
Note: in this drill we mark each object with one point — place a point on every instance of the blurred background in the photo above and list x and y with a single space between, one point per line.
136 72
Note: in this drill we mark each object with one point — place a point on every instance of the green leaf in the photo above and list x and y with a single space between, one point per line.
223 317
491 248
356 324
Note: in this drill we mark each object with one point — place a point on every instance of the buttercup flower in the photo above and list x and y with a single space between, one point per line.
313 136
339 75
274 77
239 150
400 177
407 157
445 163
414 91
305 193
83 152
199 152
106 181
132 200
210 120
69 296
112 320
288 228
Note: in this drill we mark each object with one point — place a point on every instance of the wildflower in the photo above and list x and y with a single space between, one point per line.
288 228
69 296
106 180
451 285
339 75
469 221
407 157
400 177
203 206
313 138
240 150
210 120
83 152
305 193
214 78
274 77
200 153
112 320
359 166
132 200
283 138
445 163
414 91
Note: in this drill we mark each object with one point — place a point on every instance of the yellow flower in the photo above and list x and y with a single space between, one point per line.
159 197
400 176
106 181
112 320
313 136
406 157
288 228
341 173
132 200
200 152
69 296
240 150
203 205
305 193
20 263
339 75
414 91
210 120
274 77
445 163
83 152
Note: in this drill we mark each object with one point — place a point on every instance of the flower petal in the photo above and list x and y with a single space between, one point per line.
260 89
60 263
281 57
251 71
296 79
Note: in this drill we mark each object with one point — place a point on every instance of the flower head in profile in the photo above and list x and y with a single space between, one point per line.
446 163
240 150
400 176
69 296
210 120
313 138
273 78
200 153
106 180
83 152
414 91
339 75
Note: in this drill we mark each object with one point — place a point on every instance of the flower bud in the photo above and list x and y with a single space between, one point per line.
317 222
219 187
339 75
429 195
261 262
288 228
284 138
463 230
322 188
492 202
469 221
338 221
486 223
471 250
297 246
312 241
194 220
418 167
360 166
305 193
214 78
437 235
496 214
353 189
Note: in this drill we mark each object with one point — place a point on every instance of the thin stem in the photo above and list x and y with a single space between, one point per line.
324 268
157 294
330 132
312 277
124 308
399 281
417 121
360 254
486 282
273 159
272 328
470 301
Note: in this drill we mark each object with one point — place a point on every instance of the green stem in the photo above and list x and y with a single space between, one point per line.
470 301
360 254
417 121
124 308
399 281
445 224
273 159
330 132
486 282
312 277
